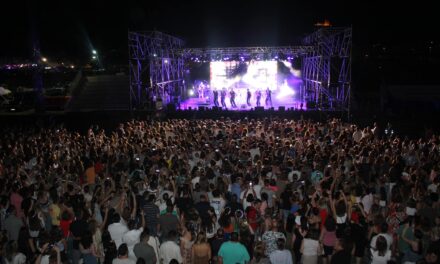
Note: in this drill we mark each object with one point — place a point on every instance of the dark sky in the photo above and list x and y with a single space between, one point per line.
71 28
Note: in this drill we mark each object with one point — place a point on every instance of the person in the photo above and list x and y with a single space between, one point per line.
168 221
259 256
232 98
186 243
310 247
271 237
151 214
248 97
233 251
223 97
132 236
328 238
170 250
342 252
384 233
117 229
381 253
258 98
216 243
281 255
201 250
143 250
88 249
415 252
11 254
215 92
12 224
268 97
123 256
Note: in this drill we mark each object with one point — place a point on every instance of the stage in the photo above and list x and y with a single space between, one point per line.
204 103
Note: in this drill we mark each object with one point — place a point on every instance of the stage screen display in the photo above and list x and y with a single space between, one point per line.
255 75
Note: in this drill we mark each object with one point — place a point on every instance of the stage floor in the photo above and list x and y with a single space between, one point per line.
196 103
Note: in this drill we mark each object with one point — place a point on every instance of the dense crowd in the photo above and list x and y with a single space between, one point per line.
219 191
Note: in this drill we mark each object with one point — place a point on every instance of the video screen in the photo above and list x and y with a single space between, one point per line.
255 75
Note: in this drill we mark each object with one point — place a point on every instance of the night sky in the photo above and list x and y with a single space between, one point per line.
70 29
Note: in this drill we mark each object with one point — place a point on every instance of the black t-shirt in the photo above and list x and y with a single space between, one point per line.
78 228
202 208
341 257
215 245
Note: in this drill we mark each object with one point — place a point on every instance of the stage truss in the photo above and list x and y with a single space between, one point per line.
157 66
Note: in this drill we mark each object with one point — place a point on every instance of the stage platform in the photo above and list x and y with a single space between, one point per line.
206 103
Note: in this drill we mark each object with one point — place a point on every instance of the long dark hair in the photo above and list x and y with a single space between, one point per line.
381 245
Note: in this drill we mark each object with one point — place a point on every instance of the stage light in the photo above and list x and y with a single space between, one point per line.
165 61
191 92
94 57
154 55
94 52
44 59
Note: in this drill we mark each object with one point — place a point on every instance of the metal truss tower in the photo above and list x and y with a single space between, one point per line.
156 68
326 68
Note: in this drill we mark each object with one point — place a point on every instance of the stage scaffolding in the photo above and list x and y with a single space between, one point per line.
157 66
326 69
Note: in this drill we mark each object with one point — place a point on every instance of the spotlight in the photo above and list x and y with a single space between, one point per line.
154 55
94 57
94 52
44 59
165 61
190 92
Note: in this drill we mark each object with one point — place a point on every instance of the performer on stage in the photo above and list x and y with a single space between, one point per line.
258 96
268 97
222 97
215 97
232 98
248 97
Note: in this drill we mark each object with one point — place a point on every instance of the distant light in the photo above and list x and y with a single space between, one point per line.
94 52
190 92
47 68
12 109
165 61
94 57
44 59
154 55
72 66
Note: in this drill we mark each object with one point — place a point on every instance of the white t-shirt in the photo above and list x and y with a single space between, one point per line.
20 258
123 261
170 250
387 237
131 238
367 202
281 256
154 243
117 231
310 247
376 259
218 204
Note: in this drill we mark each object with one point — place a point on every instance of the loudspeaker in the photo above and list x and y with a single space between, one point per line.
259 108
282 108
335 69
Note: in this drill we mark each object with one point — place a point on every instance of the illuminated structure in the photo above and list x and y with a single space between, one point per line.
157 66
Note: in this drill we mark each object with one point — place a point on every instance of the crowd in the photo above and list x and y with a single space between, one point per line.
219 191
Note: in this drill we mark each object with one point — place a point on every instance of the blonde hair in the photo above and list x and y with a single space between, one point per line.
201 237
